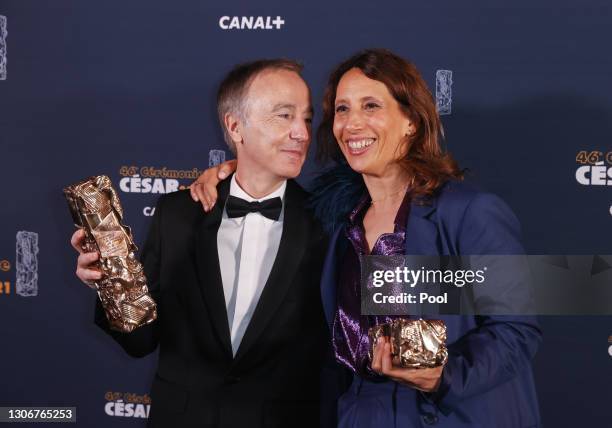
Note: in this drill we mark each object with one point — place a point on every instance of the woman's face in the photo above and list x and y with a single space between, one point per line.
369 125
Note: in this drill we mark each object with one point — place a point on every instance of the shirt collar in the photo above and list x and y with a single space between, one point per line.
359 211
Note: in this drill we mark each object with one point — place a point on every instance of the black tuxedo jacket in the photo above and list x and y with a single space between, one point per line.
273 381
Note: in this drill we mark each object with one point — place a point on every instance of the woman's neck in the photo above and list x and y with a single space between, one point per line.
387 191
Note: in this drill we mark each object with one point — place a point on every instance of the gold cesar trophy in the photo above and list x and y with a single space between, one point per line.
414 343
123 291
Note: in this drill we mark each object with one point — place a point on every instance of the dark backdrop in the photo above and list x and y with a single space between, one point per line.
93 87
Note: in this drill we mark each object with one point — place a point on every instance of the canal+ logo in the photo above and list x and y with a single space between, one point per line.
251 22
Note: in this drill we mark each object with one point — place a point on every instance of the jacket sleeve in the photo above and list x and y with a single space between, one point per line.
143 340
499 348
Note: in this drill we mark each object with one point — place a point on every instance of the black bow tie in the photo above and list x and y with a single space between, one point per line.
270 208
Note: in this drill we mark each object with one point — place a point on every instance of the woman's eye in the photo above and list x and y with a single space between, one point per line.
285 115
371 106
341 109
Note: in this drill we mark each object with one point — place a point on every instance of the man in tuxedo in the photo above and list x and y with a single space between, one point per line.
240 326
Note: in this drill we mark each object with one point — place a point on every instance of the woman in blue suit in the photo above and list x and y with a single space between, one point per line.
380 118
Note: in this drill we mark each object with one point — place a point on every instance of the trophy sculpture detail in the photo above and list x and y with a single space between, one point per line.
123 290
414 343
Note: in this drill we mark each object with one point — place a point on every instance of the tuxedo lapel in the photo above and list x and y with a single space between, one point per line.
294 240
209 271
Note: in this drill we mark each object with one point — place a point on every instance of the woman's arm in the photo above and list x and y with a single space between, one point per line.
500 347
204 189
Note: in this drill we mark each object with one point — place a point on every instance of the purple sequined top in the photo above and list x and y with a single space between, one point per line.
350 328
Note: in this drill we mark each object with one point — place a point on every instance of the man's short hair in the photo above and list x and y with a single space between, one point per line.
232 94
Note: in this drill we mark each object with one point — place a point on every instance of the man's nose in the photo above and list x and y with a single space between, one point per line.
300 131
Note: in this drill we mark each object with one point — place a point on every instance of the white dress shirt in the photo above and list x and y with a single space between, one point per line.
247 249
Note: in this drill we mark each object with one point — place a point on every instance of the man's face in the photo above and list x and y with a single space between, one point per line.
277 130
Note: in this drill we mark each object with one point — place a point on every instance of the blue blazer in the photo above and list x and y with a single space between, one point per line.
488 379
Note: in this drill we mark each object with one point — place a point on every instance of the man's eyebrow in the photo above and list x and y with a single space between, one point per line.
281 106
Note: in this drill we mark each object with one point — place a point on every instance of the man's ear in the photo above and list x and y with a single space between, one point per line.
233 125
